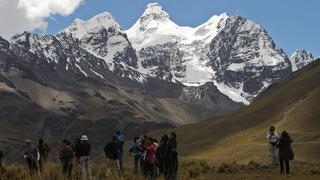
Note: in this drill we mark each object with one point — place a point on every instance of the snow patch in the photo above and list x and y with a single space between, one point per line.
82 71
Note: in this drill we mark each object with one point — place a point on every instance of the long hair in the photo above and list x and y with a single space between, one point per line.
285 134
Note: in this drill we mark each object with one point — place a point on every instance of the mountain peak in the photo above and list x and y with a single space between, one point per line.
80 27
301 58
154 11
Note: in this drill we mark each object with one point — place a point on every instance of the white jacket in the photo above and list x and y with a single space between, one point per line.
272 138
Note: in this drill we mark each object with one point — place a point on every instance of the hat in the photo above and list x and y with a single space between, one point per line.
28 141
84 138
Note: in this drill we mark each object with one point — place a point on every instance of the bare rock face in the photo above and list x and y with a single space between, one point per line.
244 57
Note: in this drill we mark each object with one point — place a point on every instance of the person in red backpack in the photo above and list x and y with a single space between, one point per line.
150 158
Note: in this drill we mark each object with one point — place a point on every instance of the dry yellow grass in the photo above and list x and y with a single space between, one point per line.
291 105
201 170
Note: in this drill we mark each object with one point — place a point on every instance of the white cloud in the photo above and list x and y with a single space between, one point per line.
26 15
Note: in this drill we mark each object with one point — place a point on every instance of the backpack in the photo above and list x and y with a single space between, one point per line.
109 151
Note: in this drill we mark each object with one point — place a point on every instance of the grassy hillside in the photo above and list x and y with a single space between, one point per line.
292 105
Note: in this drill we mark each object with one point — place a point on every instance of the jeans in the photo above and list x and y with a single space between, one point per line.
286 162
136 163
32 165
85 168
150 171
273 154
120 162
67 169
113 167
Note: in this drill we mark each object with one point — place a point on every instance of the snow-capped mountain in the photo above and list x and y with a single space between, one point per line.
235 53
301 58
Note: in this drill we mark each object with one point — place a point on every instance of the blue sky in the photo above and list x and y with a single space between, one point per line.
291 23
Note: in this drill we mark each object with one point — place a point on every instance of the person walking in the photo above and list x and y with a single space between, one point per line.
171 158
285 151
67 159
84 152
137 152
32 157
273 139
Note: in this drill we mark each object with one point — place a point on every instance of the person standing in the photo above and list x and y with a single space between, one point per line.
272 139
67 159
171 159
136 151
112 151
161 153
285 151
84 152
1 156
150 159
76 151
120 141
32 156
44 152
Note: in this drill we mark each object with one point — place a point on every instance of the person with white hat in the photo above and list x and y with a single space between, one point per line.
84 152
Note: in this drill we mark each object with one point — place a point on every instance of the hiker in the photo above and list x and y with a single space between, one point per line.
171 158
150 158
161 152
76 151
285 151
61 148
120 141
272 139
142 144
44 152
112 150
1 156
67 159
84 152
32 156
137 152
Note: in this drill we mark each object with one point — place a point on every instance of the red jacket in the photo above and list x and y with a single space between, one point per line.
151 153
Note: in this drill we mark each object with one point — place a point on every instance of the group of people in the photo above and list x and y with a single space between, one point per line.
150 157
280 149
37 155
153 159
77 153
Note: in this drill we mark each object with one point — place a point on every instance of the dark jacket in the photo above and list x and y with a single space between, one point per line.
67 155
285 149
111 150
171 158
83 149
1 156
